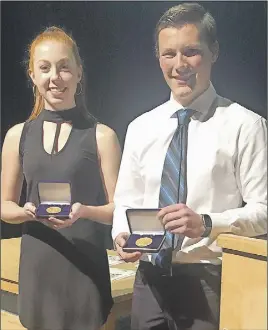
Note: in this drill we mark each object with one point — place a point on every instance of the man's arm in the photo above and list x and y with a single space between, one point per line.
251 175
128 194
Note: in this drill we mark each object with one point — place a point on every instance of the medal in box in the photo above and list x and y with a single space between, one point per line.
54 200
147 234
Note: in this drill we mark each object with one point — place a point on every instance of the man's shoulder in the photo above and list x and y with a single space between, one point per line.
237 112
153 115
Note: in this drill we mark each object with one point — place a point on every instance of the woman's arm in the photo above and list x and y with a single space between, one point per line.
109 153
12 179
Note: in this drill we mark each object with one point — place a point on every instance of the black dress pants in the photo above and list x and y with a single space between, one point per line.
189 300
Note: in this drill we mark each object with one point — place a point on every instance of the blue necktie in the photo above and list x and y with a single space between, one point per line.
173 187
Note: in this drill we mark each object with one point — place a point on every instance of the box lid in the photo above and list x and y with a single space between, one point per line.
53 192
144 220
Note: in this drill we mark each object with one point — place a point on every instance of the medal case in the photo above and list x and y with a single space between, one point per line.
54 200
147 234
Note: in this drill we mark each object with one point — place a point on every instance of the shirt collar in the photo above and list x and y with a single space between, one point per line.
201 104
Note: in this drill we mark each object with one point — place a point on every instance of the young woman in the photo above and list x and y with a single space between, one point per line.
64 273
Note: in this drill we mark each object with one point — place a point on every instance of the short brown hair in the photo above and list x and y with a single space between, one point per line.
189 12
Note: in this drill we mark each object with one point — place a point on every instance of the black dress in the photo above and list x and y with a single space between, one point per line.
64 281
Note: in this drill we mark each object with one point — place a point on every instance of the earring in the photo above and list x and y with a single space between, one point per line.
34 90
81 89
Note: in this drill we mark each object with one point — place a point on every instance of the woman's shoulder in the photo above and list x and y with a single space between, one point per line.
13 138
106 139
104 132
14 133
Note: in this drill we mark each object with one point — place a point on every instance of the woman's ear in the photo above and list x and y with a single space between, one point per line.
31 75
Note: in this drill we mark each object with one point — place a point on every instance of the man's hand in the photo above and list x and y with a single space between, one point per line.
180 219
120 241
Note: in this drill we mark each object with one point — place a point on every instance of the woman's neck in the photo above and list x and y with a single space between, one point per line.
59 107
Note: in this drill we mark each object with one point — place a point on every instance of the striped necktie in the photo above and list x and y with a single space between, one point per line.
173 187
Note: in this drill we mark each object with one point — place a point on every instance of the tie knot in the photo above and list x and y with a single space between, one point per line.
184 116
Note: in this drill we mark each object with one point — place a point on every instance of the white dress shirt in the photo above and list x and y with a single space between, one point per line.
226 166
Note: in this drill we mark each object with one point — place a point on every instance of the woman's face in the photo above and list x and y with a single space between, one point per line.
55 74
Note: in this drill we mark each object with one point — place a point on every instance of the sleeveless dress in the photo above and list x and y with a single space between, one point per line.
64 274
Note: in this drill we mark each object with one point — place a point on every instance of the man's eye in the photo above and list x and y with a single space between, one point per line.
191 52
169 55
65 67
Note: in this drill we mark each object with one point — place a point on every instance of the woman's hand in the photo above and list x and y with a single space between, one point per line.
75 214
29 209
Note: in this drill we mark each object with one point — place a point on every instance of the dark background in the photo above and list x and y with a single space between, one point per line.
116 44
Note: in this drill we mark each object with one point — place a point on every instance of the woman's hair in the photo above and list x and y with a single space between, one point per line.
57 34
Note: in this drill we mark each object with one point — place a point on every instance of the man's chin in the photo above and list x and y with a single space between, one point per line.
184 95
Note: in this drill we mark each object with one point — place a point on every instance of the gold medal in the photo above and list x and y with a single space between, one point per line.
53 209
144 241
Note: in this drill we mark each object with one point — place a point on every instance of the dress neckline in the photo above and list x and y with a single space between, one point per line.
75 116
60 116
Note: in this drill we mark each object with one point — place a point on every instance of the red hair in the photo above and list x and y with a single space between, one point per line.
51 33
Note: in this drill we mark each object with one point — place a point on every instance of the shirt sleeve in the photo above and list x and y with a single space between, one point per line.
129 190
251 176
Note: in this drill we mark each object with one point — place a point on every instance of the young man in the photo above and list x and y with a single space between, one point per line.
224 189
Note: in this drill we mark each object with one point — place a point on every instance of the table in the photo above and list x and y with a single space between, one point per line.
244 283
122 289
10 321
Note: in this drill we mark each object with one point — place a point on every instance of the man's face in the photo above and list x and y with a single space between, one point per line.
186 61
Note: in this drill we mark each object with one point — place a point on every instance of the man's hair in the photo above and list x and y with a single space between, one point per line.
188 13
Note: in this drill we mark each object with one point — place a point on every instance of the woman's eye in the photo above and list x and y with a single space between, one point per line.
44 67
